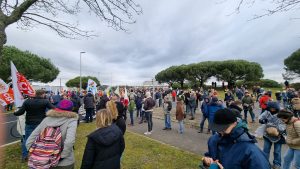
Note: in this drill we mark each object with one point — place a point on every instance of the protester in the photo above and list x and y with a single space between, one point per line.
213 107
263 101
104 146
292 139
167 106
273 134
148 106
102 104
228 98
89 106
117 115
35 109
66 121
180 114
139 104
131 108
233 147
248 104
204 110
236 107
192 104
296 105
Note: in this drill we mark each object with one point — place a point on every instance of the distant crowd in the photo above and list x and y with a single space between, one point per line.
50 121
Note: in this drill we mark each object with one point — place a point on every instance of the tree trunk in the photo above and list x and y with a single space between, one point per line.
2 37
181 83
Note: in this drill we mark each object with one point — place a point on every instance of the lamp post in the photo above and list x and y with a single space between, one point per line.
80 73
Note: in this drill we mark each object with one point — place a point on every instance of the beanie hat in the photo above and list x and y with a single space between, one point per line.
65 105
223 119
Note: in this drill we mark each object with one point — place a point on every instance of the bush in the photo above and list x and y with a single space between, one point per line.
262 82
296 86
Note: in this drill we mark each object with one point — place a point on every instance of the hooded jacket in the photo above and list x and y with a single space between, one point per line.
68 124
237 150
213 107
204 106
89 101
104 149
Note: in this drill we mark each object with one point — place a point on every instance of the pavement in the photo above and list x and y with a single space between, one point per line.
190 140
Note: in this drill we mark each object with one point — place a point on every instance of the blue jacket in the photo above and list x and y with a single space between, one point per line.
237 151
212 108
204 108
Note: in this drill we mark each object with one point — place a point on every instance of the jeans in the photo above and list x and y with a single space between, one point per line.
159 102
139 112
149 120
131 117
251 114
202 122
192 109
181 126
23 146
89 114
168 120
28 130
289 156
276 153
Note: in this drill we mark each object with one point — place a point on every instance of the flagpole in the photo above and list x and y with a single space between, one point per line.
80 72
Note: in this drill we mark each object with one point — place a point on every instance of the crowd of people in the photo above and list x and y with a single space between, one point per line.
56 117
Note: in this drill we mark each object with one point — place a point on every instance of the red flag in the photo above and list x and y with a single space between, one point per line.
6 94
24 85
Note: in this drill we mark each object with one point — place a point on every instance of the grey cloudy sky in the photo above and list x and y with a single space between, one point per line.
169 33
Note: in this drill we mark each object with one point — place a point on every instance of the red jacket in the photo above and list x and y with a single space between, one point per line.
174 93
263 101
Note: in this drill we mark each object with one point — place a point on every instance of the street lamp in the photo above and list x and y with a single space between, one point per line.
80 72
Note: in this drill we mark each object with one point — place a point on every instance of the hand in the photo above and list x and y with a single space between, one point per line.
219 164
207 161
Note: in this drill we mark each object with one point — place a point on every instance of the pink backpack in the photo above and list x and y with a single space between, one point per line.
46 149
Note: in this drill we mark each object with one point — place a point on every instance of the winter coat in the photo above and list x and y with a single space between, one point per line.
120 121
204 107
104 149
76 103
239 94
192 101
247 102
271 120
213 107
35 110
293 134
228 97
296 103
139 102
237 151
179 111
149 104
89 101
264 101
68 124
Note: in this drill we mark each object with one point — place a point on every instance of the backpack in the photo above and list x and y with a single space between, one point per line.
131 105
46 149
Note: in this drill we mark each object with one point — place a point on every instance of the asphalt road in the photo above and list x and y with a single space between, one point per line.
10 122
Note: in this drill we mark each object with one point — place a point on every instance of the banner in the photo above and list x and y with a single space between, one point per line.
6 94
92 86
20 86
117 91
107 91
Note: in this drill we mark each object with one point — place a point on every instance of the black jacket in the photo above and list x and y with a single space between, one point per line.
35 110
102 103
89 101
104 149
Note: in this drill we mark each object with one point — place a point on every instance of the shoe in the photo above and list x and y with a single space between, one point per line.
24 159
146 133
165 128
169 128
200 131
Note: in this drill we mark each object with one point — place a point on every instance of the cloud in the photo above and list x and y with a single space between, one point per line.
168 33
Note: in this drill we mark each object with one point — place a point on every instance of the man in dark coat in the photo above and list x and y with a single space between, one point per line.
89 105
233 146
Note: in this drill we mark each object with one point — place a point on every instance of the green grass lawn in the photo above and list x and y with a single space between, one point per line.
140 152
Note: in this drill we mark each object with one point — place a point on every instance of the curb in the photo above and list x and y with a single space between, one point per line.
8 144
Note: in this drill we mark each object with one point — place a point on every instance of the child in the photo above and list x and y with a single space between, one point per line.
105 145
180 114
